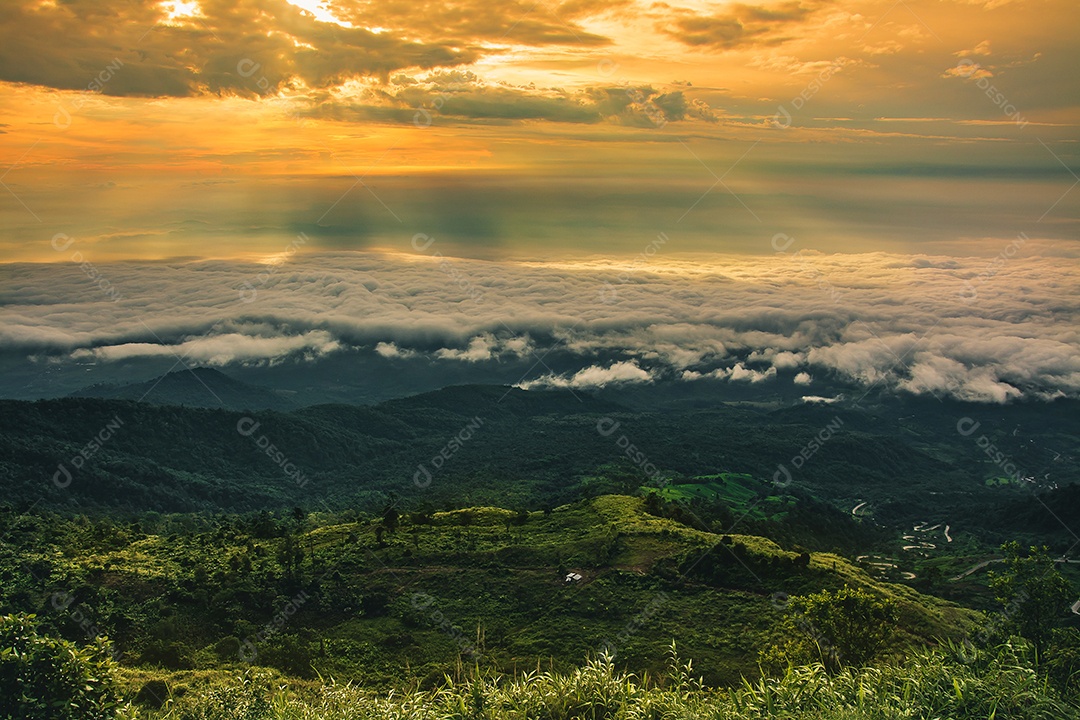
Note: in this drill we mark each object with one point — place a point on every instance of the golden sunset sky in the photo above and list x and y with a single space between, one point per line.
224 128
877 192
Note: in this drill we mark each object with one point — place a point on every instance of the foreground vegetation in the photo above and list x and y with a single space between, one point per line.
953 683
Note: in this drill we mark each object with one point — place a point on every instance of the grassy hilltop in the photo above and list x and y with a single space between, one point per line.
381 601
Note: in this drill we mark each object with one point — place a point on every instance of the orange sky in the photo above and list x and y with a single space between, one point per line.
218 129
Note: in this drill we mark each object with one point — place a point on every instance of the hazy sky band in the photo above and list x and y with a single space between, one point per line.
508 213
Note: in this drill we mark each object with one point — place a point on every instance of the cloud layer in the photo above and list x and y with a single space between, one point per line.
958 327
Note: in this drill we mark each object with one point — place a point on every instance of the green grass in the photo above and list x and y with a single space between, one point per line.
183 600
949 683
746 496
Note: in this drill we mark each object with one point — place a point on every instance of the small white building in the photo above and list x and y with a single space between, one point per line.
573 577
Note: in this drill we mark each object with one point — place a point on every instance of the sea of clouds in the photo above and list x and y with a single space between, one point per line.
983 329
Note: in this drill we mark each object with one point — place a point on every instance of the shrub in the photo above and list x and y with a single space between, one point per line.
46 678
848 628
153 693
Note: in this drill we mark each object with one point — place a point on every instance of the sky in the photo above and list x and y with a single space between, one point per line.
882 190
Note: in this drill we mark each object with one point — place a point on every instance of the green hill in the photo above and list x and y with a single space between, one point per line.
386 600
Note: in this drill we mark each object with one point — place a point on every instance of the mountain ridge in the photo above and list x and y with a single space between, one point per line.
201 387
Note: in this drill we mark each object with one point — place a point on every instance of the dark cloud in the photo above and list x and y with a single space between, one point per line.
512 21
465 96
740 24
254 47
588 8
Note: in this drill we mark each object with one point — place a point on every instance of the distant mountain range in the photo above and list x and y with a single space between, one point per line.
901 463
197 387
366 378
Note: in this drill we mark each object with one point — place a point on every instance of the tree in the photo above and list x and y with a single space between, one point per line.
1033 594
46 678
290 555
390 518
849 627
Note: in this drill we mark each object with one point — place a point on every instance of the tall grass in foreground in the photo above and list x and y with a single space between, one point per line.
945 683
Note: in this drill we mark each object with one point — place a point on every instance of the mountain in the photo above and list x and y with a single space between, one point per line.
494 445
197 387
